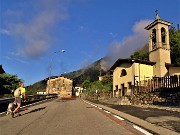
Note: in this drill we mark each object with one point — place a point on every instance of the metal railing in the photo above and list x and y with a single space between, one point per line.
158 83
4 102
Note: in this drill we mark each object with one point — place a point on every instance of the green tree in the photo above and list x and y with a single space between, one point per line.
86 84
100 86
174 40
107 82
38 86
142 55
8 83
108 79
174 36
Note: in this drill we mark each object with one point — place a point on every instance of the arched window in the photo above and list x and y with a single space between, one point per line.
123 73
154 39
163 35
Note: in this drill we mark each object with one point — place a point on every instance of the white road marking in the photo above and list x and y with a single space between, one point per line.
142 130
118 117
107 111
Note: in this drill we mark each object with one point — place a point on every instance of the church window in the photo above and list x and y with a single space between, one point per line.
123 73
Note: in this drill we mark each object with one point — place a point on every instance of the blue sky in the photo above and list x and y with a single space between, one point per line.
32 30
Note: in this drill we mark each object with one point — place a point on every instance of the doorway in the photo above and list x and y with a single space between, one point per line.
122 89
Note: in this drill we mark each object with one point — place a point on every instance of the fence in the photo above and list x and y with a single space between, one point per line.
30 99
158 83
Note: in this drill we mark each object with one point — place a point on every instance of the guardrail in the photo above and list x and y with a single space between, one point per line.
4 102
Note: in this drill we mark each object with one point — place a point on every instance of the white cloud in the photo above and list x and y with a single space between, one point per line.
34 34
16 59
83 28
113 35
124 48
4 31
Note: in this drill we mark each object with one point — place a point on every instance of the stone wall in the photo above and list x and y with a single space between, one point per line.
97 96
163 97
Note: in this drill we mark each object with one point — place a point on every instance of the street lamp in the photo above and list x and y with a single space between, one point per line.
60 51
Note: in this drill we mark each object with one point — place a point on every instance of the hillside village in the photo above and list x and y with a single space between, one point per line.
130 76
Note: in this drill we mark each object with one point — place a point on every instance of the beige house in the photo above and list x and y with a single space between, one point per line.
61 86
129 72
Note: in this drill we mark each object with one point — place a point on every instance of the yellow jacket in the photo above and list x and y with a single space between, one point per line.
23 90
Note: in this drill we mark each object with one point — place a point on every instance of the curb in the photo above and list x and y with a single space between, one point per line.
137 121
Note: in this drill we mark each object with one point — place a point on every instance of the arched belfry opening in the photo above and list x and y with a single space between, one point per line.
163 36
159 48
154 40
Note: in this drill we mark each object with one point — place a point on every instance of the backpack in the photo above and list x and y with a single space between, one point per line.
17 92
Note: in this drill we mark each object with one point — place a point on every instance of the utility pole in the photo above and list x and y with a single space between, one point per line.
49 84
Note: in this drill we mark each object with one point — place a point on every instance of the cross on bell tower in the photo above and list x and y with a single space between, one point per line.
157 16
159 48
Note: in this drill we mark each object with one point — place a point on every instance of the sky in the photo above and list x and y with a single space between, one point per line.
33 33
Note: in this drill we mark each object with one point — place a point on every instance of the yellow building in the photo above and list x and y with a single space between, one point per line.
61 86
129 72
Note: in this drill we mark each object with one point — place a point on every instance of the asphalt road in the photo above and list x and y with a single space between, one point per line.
64 117
161 117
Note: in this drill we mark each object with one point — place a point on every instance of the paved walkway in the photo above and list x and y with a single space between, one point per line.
161 120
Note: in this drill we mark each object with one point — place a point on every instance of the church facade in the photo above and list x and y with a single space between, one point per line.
128 72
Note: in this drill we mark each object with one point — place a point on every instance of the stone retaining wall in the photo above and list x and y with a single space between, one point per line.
171 97
164 97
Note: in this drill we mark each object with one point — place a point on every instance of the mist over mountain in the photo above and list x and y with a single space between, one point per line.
90 72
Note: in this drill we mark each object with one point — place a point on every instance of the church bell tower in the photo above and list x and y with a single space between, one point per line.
159 48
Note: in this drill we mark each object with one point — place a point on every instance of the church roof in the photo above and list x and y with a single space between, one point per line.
1 70
157 20
120 61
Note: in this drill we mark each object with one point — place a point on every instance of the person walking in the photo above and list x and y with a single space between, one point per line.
19 99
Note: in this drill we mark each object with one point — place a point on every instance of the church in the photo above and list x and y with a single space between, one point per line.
130 72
